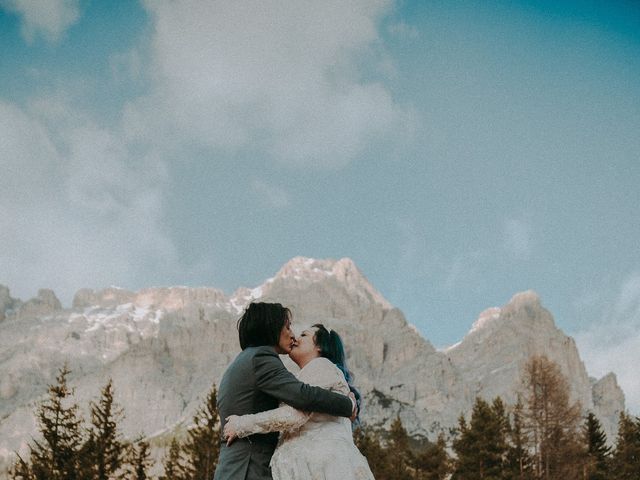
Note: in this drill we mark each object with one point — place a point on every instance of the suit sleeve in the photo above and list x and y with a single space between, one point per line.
274 379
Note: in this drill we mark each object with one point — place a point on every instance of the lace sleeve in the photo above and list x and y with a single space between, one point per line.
279 419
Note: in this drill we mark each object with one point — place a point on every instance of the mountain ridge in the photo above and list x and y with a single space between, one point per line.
165 346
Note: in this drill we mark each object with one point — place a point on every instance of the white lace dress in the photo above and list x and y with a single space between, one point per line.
312 446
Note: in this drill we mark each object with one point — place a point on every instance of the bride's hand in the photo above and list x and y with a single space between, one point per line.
230 432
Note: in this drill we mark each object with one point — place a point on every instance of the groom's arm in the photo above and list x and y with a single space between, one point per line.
274 379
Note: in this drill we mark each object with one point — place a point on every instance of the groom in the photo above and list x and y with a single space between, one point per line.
256 381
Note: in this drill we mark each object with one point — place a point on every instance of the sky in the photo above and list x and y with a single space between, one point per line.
459 152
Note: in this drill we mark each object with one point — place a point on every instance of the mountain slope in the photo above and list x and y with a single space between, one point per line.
164 347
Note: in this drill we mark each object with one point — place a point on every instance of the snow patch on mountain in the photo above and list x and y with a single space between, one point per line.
485 319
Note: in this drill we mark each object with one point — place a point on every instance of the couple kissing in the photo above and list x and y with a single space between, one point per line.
280 425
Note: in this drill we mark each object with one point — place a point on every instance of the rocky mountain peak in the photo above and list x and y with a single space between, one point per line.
167 298
526 306
521 299
303 270
44 303
48 297
485 318
107 297
608 402
524 310
7 303
5 294
528 312
492 355
523 313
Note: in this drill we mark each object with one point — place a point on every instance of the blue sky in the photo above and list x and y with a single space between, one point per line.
458 152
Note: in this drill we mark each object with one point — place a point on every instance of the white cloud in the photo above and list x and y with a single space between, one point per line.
628 303
127 67
517 239
49 18
28 157
613 344
76 208
463 269
271 195
283 77
404 30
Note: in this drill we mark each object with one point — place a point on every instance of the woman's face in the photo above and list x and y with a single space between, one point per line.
286 340
304 348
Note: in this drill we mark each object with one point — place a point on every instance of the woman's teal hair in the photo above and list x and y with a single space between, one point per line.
332 348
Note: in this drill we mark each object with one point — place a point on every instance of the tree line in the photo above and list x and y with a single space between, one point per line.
542 437
68 448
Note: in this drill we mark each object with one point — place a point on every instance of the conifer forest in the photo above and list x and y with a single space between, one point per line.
544 436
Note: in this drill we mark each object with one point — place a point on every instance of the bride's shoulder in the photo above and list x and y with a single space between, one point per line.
321 365
323 373
321 362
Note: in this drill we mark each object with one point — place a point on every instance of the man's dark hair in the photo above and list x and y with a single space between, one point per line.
261 324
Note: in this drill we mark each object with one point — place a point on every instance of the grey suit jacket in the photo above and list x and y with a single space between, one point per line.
257 380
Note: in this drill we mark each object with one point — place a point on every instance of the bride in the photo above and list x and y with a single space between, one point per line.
311 445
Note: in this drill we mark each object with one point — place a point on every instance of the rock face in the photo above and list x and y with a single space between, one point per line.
164 347
492 355
7 304
608 402
43 304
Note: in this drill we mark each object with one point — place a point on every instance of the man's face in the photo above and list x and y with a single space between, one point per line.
287 339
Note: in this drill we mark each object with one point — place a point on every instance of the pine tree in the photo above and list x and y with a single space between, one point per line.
503 429
481 446
551 421
139 460
202 447
369 444
433 463
597 452
105 450
174 464
56 456
626 456
518 459
21 470
401 459
464 462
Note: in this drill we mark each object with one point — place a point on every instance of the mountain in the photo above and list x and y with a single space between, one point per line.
491 356
164 347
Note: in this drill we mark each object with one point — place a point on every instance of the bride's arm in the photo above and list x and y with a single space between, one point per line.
279 419
320 372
